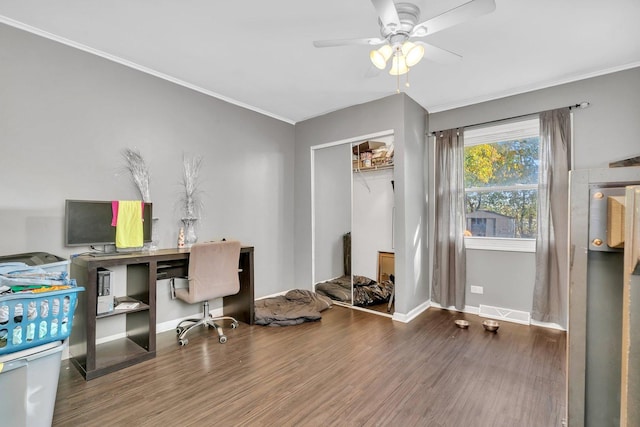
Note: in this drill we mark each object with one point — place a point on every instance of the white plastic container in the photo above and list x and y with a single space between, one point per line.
29 384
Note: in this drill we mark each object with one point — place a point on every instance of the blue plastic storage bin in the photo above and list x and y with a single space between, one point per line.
31 319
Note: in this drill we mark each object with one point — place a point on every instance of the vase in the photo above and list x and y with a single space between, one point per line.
190 237
155 235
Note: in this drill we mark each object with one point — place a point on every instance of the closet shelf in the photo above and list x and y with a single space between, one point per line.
372 168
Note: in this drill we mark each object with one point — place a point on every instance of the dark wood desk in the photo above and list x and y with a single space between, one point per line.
143 271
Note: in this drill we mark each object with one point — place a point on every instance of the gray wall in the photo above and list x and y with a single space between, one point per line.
508 284
65 117
407 120
605 131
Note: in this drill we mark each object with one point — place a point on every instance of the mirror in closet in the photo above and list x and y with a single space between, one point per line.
355 265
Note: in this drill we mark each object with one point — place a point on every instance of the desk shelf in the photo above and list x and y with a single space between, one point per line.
120 311
93 359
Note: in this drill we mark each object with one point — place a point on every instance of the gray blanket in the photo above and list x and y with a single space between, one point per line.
365 291
295 307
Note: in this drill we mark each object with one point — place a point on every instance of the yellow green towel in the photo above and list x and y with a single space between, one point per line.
129 226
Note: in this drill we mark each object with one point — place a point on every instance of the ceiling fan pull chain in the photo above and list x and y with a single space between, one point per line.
407 83
397 74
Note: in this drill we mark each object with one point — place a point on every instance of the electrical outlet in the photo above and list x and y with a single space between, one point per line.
477 290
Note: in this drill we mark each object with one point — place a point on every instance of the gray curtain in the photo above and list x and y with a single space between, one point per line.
449 271
551 284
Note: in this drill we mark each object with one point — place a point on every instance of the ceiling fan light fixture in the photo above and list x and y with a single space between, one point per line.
379 57
398 66
412 52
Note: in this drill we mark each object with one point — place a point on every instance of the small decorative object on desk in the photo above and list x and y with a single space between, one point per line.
181 238
189 231
191 200
155 234
139 171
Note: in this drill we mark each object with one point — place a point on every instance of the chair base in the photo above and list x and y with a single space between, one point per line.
207 320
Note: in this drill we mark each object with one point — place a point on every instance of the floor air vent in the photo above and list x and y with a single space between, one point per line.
505 314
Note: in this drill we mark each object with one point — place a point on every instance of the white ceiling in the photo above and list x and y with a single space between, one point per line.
259 54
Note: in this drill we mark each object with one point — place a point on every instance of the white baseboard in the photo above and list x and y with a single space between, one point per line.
500 313
171 324
547 325
406 318
450 308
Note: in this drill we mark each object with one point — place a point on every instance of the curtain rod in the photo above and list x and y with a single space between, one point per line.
581 105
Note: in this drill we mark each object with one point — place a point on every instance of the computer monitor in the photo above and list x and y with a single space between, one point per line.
88 223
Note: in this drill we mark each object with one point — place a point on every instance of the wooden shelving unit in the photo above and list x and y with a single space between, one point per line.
139 344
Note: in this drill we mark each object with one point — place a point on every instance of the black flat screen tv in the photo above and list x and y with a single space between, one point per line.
88 223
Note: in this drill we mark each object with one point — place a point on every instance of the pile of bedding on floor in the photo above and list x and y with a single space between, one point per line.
366 291
295 307
369 292
338 289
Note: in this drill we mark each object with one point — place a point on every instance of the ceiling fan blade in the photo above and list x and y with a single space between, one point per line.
439 55
387 13
455 16
345 42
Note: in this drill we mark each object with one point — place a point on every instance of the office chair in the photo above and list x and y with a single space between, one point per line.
213 273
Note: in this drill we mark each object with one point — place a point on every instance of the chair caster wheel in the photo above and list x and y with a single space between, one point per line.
234 325
183 342
223 339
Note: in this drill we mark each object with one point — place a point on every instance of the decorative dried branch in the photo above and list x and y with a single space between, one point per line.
190 198
136 165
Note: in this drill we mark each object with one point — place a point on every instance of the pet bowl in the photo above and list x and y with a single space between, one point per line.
490 325
462 324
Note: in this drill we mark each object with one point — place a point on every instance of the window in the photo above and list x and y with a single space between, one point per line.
501 180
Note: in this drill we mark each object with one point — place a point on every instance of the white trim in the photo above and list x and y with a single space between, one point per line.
406 318
171 324
312 194
547 325
506 314
467 308
528 88
388 132
501 188
508 130
472 310
475 310
138 67
500 244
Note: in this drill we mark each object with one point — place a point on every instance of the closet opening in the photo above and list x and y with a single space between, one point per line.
353 208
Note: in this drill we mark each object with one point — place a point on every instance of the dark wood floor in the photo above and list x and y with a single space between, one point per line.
352 368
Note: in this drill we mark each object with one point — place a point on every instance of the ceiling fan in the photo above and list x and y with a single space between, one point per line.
399 26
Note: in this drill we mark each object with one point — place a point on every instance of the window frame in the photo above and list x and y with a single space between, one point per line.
523 127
